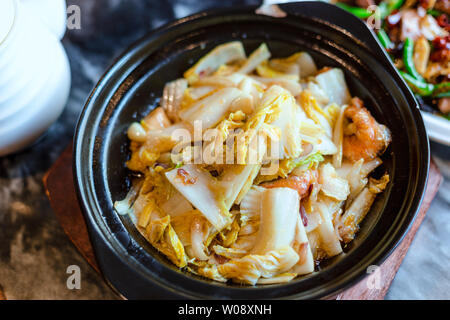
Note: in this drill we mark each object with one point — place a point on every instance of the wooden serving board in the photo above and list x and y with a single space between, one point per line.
2 294
60 190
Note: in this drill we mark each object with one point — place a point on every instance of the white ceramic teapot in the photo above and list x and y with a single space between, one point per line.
34 70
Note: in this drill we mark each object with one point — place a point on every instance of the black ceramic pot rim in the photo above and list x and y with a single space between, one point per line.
84 145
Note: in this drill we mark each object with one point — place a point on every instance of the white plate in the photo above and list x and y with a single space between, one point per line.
438 128
7 13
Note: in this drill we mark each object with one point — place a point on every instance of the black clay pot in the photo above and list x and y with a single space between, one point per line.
131 87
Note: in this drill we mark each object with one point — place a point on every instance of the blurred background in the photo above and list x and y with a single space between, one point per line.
35 252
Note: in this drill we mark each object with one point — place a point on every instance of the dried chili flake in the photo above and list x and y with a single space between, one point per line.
185 177
303 215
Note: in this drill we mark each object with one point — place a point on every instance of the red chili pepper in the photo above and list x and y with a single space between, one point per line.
443 22
440 43
440 55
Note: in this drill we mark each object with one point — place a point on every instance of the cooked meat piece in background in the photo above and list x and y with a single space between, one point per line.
443 5
365 3
444 105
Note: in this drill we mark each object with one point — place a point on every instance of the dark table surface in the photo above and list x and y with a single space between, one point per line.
34 251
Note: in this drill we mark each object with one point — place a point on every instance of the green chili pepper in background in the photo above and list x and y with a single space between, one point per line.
434 12
408 51
420 87
395 5
359 12
384 39
442 90
386 7
442 87
442 95
383 10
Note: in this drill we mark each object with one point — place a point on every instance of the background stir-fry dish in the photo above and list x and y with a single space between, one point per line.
416 36
293 153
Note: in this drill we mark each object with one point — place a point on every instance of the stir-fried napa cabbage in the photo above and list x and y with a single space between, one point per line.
252 267
198 187
243 171
279 209
332 81
221 55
